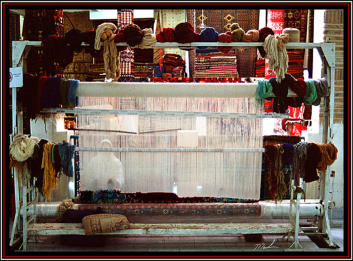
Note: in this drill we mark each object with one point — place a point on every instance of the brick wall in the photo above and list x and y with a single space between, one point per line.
333 33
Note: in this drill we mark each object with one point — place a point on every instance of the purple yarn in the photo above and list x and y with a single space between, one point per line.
209 34
50 94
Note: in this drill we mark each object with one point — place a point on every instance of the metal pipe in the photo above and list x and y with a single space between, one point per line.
195 44
166 113
168 150
168 89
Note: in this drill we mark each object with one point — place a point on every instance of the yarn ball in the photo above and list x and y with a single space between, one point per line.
74 39
237 32
225 38
251 36
184 33
167 35
293 33
209 34
133 34
299 87
263 33
119 37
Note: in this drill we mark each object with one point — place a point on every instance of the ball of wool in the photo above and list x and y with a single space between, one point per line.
100 30
119 38
209 34
293 33
74 39
299 87
237 32
65 205
225 38
263 33
184 33
167 35
251 36
148 40
133 34
22 147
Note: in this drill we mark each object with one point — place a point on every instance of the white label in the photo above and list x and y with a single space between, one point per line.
16 77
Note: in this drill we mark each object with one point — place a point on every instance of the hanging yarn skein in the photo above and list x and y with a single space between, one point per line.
22 147
328 156
106 32
277 55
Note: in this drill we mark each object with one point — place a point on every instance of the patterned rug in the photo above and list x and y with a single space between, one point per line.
179 209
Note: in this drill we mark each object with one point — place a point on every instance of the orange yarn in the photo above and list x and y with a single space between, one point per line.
328 156
49 175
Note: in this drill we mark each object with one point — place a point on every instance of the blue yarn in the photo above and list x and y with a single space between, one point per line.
66 152
50 95
71 92
209 34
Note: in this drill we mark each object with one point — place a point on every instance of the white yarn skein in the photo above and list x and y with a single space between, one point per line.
278 59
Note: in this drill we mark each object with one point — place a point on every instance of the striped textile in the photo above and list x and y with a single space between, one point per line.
215 64
125 17
158 52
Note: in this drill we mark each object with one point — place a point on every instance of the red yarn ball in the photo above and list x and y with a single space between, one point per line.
263 33
225 38
167 35
184 33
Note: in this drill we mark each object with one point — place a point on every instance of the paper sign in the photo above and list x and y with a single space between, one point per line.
16 77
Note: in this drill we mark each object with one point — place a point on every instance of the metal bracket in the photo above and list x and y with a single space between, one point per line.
18 48
328 50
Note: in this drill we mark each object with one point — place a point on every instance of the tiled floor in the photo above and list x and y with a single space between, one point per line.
178 244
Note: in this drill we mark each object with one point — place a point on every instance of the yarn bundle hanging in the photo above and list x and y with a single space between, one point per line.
277 55
111 56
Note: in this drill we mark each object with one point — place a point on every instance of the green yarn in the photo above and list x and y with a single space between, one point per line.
263 90
311 93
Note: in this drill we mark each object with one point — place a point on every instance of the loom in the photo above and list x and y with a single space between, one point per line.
266 210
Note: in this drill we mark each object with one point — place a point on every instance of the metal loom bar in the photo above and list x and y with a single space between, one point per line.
167 149
166 113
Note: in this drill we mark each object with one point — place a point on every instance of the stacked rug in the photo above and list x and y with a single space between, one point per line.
215 64
143 70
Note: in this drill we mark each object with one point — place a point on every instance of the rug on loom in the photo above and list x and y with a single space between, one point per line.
113 196
179 209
